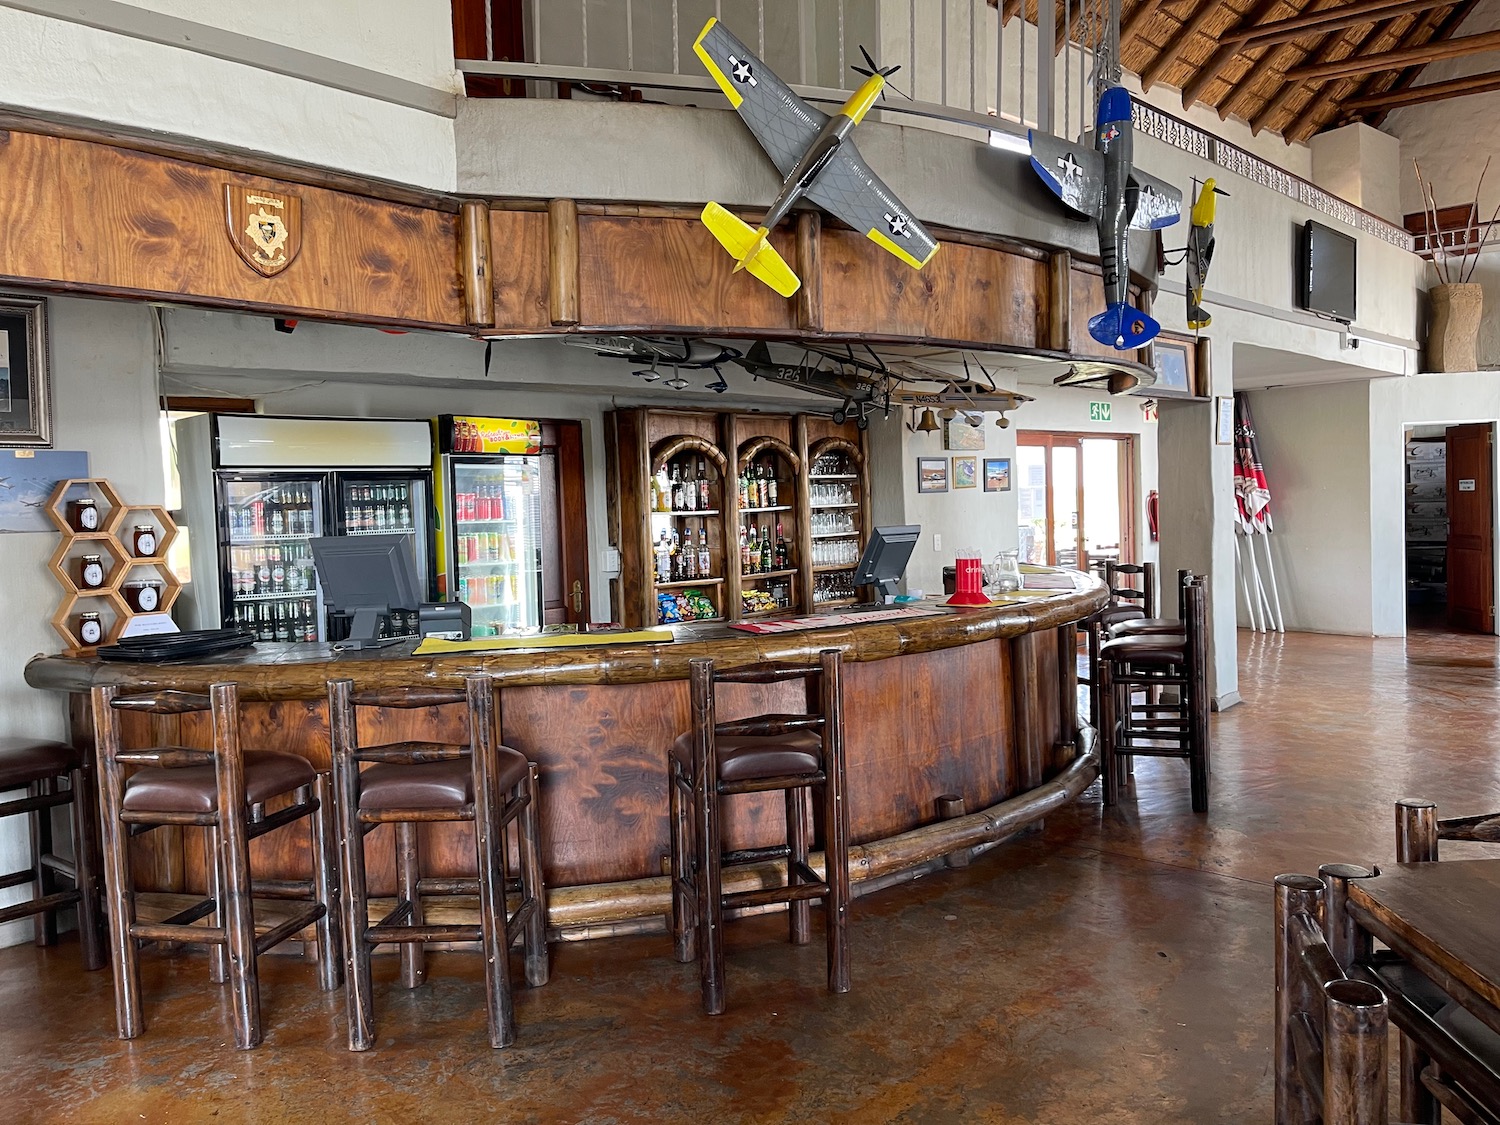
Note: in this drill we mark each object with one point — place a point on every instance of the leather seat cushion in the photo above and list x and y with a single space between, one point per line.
388 787
1113 614
192 789
1148 626
1157 651
24 760
752 757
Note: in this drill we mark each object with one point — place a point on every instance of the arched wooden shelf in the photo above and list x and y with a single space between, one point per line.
835 444
670 447
756 446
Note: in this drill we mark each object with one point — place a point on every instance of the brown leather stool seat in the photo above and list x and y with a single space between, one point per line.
386 786
1113 615
755 757
1148 626
195 789
38 766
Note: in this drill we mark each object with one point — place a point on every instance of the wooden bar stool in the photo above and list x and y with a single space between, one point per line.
407 784
39 767
1157 728
1127 602
225 790
791 753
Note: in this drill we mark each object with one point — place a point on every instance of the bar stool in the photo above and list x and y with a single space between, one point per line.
39 767
1128 663
409 783
1127 602
225 790
765 753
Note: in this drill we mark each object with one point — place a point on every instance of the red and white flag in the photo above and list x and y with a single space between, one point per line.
1252 493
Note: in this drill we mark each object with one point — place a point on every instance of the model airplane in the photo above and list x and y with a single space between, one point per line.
815 156
675 351
1200 253
1102 184
859 395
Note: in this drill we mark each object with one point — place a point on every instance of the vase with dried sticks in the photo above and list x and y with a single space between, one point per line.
1456 304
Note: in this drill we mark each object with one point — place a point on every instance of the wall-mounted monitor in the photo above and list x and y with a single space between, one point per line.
1325 271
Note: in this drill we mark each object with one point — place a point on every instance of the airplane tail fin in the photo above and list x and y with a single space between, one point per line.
751 250
759 353
1123 327
1197 316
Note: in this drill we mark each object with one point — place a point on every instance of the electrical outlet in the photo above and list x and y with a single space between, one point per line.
937 542
609 560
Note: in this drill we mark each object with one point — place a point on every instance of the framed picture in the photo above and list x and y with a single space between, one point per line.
1224 420
965 470
997 474
1174 359
25 392
958 434
32 474
932 474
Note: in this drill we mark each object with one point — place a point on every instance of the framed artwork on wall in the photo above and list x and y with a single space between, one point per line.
1174 358
932 474
997 474
958 434
965 471
25 389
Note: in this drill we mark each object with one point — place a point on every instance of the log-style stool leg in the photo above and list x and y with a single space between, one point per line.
684 868
836 868
44 923
533 883
218 954
359 993
799 912
86 869
326 885
1108 766
239 917
408 873
495 938
709 891
117 884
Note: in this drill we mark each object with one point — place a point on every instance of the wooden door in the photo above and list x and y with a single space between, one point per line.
1471 528
1064 522
564 526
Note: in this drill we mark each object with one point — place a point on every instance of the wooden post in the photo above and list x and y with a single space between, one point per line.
1416 831
1028 706
562 241
1060 302
479 291
951 807
1346 941
1355 1022
1295 894
810 267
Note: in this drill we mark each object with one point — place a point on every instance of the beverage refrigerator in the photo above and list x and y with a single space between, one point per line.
255 489
487 476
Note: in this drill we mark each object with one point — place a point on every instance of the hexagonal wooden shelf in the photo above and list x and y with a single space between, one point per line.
110 540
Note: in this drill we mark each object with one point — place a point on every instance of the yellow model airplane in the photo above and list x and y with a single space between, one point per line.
815 156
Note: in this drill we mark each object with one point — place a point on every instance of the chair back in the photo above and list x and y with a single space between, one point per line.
222 699
825 707
344 702
1132 583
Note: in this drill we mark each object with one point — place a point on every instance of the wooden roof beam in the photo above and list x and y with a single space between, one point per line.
1325 45
1008 13
1393 60
1432 92
1202 13
1334 19
1277 58
1140 16
1227 50
1448 25
1319 110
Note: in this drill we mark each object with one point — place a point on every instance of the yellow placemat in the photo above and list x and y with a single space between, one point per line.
432 646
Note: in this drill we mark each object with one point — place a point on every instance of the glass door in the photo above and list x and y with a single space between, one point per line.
1075 499
495 539
267 575
386 504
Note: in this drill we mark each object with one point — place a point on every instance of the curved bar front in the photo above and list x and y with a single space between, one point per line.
960 729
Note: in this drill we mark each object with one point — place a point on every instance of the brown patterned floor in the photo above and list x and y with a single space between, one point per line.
1113 968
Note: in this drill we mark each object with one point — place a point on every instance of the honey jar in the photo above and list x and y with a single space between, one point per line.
90 572
145 541
88 628
83 514
143 597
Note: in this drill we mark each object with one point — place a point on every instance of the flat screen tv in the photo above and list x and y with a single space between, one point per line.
1325 272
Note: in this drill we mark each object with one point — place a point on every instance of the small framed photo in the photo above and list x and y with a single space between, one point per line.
1224 420
25 389
932 474
965 472
997 474
958 433
1174 359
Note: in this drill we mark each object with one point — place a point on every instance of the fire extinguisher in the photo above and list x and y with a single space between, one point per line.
1153 515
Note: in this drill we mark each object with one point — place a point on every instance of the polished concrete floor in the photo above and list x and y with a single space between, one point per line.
1115 967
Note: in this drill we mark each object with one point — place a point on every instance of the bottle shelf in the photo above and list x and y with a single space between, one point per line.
474 564
779 611
756 576
836 534
684 583
834 603
774 508
385 531
825 567
471 523
688 513
816 506
833 476
287 595
257 540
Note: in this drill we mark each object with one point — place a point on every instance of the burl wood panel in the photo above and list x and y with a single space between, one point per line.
671 273
521 269
114 220
966 293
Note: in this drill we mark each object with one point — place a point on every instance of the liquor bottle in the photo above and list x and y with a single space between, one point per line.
765 548
703 497
309 620
763 485
771 486
705 560
678 503
744 489
689 491
676 557
782 561
744 552
689 559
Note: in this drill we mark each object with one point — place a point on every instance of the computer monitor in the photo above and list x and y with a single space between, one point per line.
366 576
885 557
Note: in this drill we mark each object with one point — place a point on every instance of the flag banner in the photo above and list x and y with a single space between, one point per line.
1252 493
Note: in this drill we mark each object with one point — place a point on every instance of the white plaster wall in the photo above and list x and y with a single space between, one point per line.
104 401
1362 165
54 67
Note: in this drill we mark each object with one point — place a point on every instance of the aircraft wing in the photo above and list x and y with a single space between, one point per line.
1074 172
848 189
783 123
1158 205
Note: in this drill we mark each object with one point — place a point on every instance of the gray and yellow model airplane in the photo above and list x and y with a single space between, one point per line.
814 154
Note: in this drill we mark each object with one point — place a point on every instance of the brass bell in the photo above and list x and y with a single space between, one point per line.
928 422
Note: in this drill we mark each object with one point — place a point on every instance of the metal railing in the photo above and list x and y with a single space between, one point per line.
964 69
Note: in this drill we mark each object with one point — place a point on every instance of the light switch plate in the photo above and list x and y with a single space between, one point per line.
937 542
609 560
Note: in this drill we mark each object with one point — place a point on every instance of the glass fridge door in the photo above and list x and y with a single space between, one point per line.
265 521
387 504
496 542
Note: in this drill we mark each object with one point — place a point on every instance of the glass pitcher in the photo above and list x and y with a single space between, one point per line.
1004 574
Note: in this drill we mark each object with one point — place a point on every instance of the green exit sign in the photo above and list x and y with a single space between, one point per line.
1099 412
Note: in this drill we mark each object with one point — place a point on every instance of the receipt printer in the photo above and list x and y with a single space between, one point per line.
448 621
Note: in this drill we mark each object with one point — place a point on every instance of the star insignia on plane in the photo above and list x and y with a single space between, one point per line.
740 70
900 225
1071 169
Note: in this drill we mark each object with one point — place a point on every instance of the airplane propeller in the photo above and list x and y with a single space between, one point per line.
869 70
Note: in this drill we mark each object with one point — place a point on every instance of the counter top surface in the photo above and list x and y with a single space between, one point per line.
301 671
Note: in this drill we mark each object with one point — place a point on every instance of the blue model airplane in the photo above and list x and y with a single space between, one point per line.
1101 183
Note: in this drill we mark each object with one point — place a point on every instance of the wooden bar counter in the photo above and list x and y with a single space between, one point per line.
977 705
